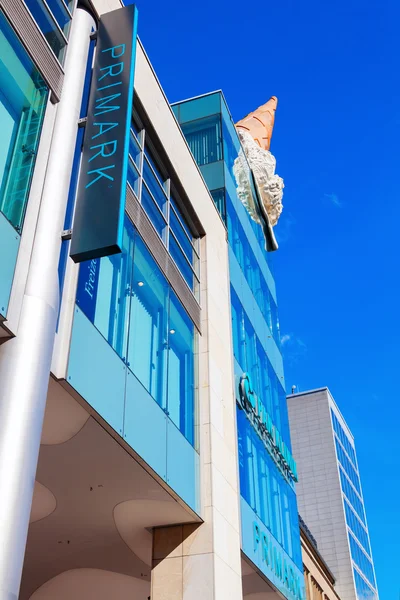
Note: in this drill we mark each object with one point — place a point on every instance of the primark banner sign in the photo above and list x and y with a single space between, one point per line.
99 215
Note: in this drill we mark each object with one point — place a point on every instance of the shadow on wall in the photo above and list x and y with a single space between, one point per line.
81 584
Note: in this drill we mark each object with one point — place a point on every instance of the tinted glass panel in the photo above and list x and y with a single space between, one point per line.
181 379
23 97
147 348
181 262
47 23
204 139
134 150
153 213
154 186
133 177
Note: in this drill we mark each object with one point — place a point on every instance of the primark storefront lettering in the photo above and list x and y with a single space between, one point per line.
273 560
262 423
99 215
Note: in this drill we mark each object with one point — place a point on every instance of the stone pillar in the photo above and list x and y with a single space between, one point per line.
202 562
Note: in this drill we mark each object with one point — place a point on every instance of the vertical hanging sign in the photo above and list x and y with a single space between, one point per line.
99 215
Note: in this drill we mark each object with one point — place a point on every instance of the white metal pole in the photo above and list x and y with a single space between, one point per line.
25 361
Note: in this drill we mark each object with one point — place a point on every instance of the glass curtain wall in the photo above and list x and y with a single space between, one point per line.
150 183
211 135
53 17
130 302
23 99
265 490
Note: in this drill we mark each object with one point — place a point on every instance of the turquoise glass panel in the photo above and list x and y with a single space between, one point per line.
145 426
23 98
204 139
181 376
198 107
96 372
265 552
266 491
107 303
148 333
213 174
182 467
9 244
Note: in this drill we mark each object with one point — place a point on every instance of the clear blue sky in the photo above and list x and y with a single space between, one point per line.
335 69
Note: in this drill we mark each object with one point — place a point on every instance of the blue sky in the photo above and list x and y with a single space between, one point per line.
334 68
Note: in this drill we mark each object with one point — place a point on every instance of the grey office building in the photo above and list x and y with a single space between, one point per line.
329 491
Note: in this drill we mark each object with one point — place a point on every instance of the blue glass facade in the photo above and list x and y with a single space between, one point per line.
357 530
270 530
53 17
23 100
133 347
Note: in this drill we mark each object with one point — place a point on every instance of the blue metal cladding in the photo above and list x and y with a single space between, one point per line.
270 529
98 223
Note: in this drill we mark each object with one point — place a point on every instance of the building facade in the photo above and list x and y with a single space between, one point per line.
144 440
268 509
319 579
330 493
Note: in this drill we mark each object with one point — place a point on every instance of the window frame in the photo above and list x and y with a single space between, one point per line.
149 154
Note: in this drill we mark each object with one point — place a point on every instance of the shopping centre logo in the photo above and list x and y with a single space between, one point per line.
266 430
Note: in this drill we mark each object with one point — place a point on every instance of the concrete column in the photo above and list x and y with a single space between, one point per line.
25 361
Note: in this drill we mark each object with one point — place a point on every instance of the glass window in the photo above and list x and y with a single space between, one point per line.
362 560
356 526
104 290
265 490
250 349
133 177
154 163
181 236
154 186
181 218
181 377
53 24
134 149
23 97
277 508
348 467
153 212
219 200
247 485
131 303
344 440
204 139
237 330
364 591
147 345
181 263
351 495
265 486
136 128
